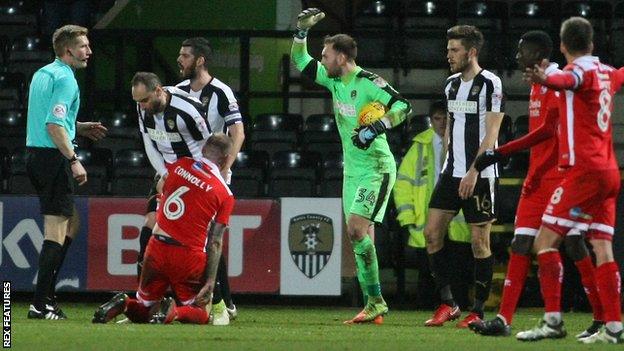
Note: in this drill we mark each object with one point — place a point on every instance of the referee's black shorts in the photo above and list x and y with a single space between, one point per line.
51 176
479 208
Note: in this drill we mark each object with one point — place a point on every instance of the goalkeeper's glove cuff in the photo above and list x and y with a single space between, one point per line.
301 33
379 127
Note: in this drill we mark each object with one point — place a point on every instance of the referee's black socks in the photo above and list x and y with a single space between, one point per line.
49 259
66 245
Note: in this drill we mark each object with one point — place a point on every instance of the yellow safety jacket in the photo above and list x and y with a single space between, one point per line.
414 184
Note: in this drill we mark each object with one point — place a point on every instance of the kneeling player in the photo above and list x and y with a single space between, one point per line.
194 193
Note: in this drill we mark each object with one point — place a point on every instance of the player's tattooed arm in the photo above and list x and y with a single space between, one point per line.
215 243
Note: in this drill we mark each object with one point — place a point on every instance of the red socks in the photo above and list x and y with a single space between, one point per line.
586 270
608 282
191 314
550 278
136 311
517 271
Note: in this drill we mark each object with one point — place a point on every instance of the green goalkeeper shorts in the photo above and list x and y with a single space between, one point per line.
367 195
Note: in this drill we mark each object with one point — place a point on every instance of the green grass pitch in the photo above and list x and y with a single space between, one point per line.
278 328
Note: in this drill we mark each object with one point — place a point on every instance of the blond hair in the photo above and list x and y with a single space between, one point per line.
65 37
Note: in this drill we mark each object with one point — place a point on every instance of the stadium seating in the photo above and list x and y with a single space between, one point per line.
415 125
332 174
293 174
506 202
18 182
599 13
525 16
249 174
12 128
123 130
132 173
98 164
425 28
4 168
617 35
320 134
377 19
28 54
11 90
273 132
489 17
17 18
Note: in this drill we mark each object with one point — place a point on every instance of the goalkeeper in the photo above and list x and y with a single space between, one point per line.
369 166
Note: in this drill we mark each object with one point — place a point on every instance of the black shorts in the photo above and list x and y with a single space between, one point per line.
152 199
51 176
479 208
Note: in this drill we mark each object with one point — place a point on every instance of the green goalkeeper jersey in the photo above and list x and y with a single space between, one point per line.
350 93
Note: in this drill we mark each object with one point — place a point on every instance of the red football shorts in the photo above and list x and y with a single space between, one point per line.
167 265
535 196
585 200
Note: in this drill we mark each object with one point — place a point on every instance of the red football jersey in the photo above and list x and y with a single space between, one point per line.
544 109
542 139
193 195
585 113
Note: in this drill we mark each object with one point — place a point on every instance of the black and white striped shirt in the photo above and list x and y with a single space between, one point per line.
180 131
219 101
467 104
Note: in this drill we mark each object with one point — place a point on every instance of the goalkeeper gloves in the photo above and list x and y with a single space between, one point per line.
488 158
363 136
306 19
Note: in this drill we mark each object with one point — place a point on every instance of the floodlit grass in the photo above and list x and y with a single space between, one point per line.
278 328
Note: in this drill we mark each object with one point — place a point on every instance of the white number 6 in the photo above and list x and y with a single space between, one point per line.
175 199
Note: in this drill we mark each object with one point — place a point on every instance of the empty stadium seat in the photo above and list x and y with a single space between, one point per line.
123 130
98 164
276 132
12 128
293 174
12 90
529 15
4 168
617 35
425 26
506 202
18 182
132 173
377 19
599 13
28 54
249 174
332 175
17 18
320 128
489 17
414 126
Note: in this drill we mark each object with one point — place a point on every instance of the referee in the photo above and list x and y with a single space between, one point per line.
51 162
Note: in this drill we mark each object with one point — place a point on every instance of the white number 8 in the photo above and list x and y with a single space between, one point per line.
175 199
604 114
556 196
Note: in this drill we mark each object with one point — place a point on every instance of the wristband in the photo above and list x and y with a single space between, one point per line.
301 33
73 159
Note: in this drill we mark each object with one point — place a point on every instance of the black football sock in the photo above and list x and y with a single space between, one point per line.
52 289
439 268
483 282
48 261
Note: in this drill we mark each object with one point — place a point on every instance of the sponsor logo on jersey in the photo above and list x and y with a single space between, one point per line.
475 90
310 241
59 111
347 110
353 94
462 106
380 82
162 136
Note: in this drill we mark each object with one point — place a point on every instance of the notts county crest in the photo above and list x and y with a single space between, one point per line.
311 240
